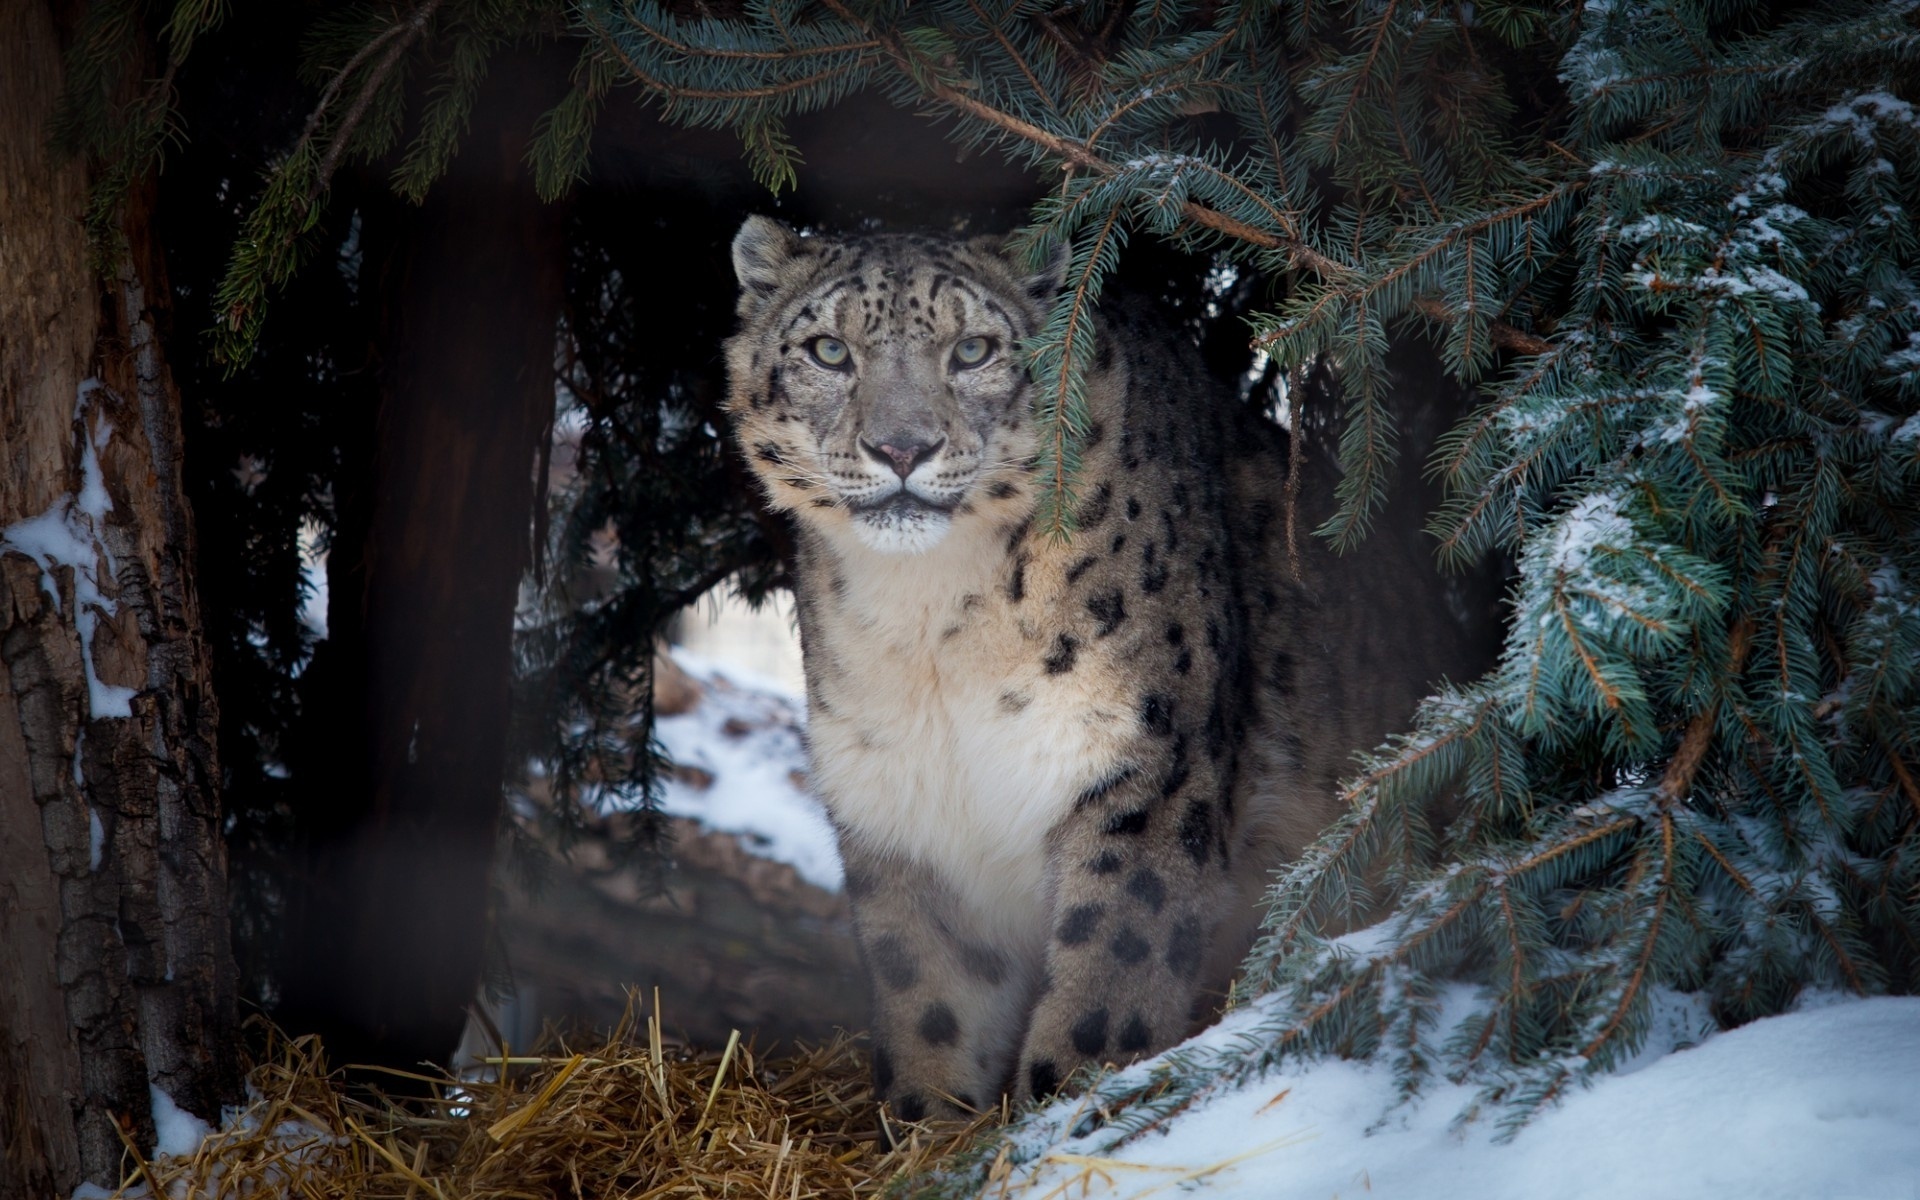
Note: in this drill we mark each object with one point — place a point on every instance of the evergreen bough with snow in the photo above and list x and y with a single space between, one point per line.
1674 246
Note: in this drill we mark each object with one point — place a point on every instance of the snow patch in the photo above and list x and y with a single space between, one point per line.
745 739
1695 401
313 580
1593 522
68 534
1817 1102
177 1132
1859 113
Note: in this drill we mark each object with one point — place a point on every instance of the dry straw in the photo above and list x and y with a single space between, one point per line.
619 1120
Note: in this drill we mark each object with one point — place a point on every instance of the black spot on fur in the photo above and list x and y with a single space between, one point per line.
1013 702
1145 886
1094 512
894 963
1100 790
1128 946
1017 534
1059 660
910 1107
768 452
1017 582
1177 770
1176 634
1280 674
823 502
1135 1036
1186 947
1089 1033
1153 575
882 1069
1133 509
1109 608
1128 824
1156 713
984 963
1080 568
1105 863
1043 1078
1196 831
1080 923
1119 543
1184 663
1001 489
938 1025
1216 732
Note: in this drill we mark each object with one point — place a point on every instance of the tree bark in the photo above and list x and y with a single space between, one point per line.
116 973
409 703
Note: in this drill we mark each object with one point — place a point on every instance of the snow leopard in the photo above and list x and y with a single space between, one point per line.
1060 768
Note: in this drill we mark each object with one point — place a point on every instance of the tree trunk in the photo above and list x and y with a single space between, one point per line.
116 974
734 942
408 703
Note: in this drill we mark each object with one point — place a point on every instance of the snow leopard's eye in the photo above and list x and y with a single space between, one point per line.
971 352
829 352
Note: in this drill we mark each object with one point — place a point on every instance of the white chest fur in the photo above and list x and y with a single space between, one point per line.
943 740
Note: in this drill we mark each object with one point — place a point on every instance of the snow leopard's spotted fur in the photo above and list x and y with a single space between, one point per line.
1060 770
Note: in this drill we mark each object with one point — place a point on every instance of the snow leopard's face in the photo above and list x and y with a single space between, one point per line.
876 383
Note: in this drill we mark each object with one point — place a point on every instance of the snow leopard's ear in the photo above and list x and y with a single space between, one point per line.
762 251
1041 281
1046 283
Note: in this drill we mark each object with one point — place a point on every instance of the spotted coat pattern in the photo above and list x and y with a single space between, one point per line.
1060 770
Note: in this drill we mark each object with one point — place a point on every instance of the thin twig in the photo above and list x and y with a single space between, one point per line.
331 92
1678 779
414 26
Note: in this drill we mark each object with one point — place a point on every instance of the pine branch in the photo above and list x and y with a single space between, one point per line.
1685 764
408 32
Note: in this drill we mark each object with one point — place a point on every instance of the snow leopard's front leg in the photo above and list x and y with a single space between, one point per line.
1140 877
947 1004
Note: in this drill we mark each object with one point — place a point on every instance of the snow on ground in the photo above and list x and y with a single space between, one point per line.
1818 1104
745 736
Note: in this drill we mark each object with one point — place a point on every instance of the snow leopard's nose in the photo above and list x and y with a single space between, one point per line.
902 454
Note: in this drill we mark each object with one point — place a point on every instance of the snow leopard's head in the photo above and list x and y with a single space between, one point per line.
876 382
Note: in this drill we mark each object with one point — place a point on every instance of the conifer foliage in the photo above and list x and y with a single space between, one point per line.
1674 244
